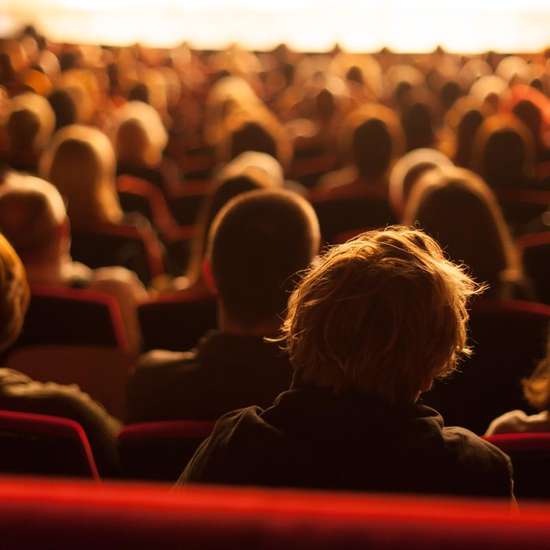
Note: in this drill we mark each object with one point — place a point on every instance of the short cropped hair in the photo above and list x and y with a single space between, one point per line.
383 314
258 243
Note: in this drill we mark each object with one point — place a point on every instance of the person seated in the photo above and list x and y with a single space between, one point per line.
80 162
249 171
458 209
20 393
29 126
140 139
371 141
504 152
536 391
257 244
34 220
369 328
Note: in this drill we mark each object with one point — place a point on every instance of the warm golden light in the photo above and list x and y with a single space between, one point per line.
465 26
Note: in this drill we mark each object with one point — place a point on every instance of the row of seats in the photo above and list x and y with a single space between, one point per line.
70 514
158 451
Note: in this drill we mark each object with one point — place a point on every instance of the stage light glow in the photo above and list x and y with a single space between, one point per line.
466 26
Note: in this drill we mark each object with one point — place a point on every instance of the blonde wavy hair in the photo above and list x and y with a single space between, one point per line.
80 162
383 314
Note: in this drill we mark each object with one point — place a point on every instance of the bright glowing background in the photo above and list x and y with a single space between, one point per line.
403 25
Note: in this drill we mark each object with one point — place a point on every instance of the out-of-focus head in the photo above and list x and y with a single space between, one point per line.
14 294
261 133
140 135
504 151
459 210
463 120
33 217
254 161
417 118
408 170
514 70
257 245
80 162
488 89
536 388
383 314
30 122
372 139
63 104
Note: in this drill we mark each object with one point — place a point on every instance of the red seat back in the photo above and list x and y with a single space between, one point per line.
44 445
160 450
530 454
176 321
83 516
535 251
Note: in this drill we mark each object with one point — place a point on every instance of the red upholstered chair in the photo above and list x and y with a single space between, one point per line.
530 454
186 201
176 321
508 338
159 451
535 250
75 337
520 206
44 445
67 515
130 246
67 316
339 212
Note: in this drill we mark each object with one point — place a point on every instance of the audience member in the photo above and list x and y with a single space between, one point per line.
19 393
368 329
258 243
34 220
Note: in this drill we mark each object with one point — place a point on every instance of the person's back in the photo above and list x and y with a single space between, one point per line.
20 393
368 329
258 242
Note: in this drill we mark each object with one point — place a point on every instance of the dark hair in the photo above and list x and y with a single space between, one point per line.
372 148
252 136
64 107
257 244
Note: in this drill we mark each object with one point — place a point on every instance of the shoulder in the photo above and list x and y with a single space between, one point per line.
482 464
118 279
165 358
517 421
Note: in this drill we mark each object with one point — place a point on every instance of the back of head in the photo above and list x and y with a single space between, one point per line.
257 244
407 171
383 314
458 209
30 122
63 105
252 136
80 163
32 215
14 294
373 139
140 135
504 151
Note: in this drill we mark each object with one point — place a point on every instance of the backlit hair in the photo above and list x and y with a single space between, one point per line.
80 162
140 135
383 314
30 121
32 213
458 209
14 294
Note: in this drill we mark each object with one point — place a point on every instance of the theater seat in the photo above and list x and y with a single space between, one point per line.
176 321
535 250
530 454
44 445
68 515
130 246
78 317
338 212
159 451
508 339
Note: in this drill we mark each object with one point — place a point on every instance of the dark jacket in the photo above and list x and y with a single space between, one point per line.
225 372
20 393
311 438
